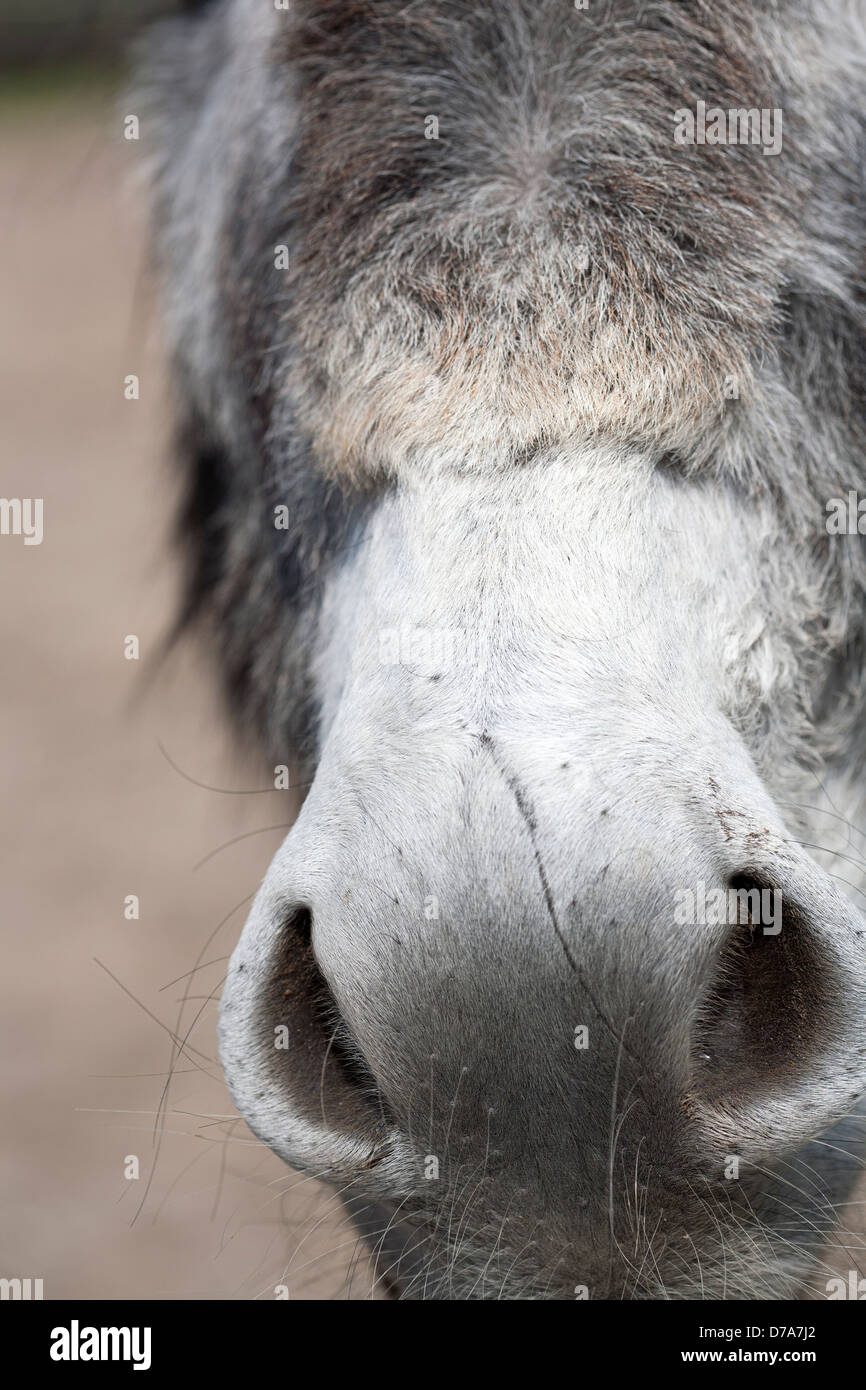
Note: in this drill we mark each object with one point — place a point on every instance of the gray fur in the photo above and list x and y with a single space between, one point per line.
491 388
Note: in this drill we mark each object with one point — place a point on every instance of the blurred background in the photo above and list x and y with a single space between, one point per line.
54 33
120 775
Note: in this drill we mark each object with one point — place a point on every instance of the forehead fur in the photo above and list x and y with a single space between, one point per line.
553 265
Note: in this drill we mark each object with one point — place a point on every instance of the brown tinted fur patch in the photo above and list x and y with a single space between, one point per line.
554 265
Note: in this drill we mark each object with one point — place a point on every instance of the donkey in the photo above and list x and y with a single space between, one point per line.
519 414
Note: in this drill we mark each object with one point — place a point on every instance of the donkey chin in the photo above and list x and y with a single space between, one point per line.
541 978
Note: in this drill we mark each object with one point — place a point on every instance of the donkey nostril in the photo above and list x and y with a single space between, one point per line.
299 935
767 1008
294 1067
305 983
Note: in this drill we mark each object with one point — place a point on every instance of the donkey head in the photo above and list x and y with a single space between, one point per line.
512 424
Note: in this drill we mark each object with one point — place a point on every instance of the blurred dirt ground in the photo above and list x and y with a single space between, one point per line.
93 810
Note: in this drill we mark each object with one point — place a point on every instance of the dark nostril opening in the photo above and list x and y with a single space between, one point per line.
305 984
765 1013
299 928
